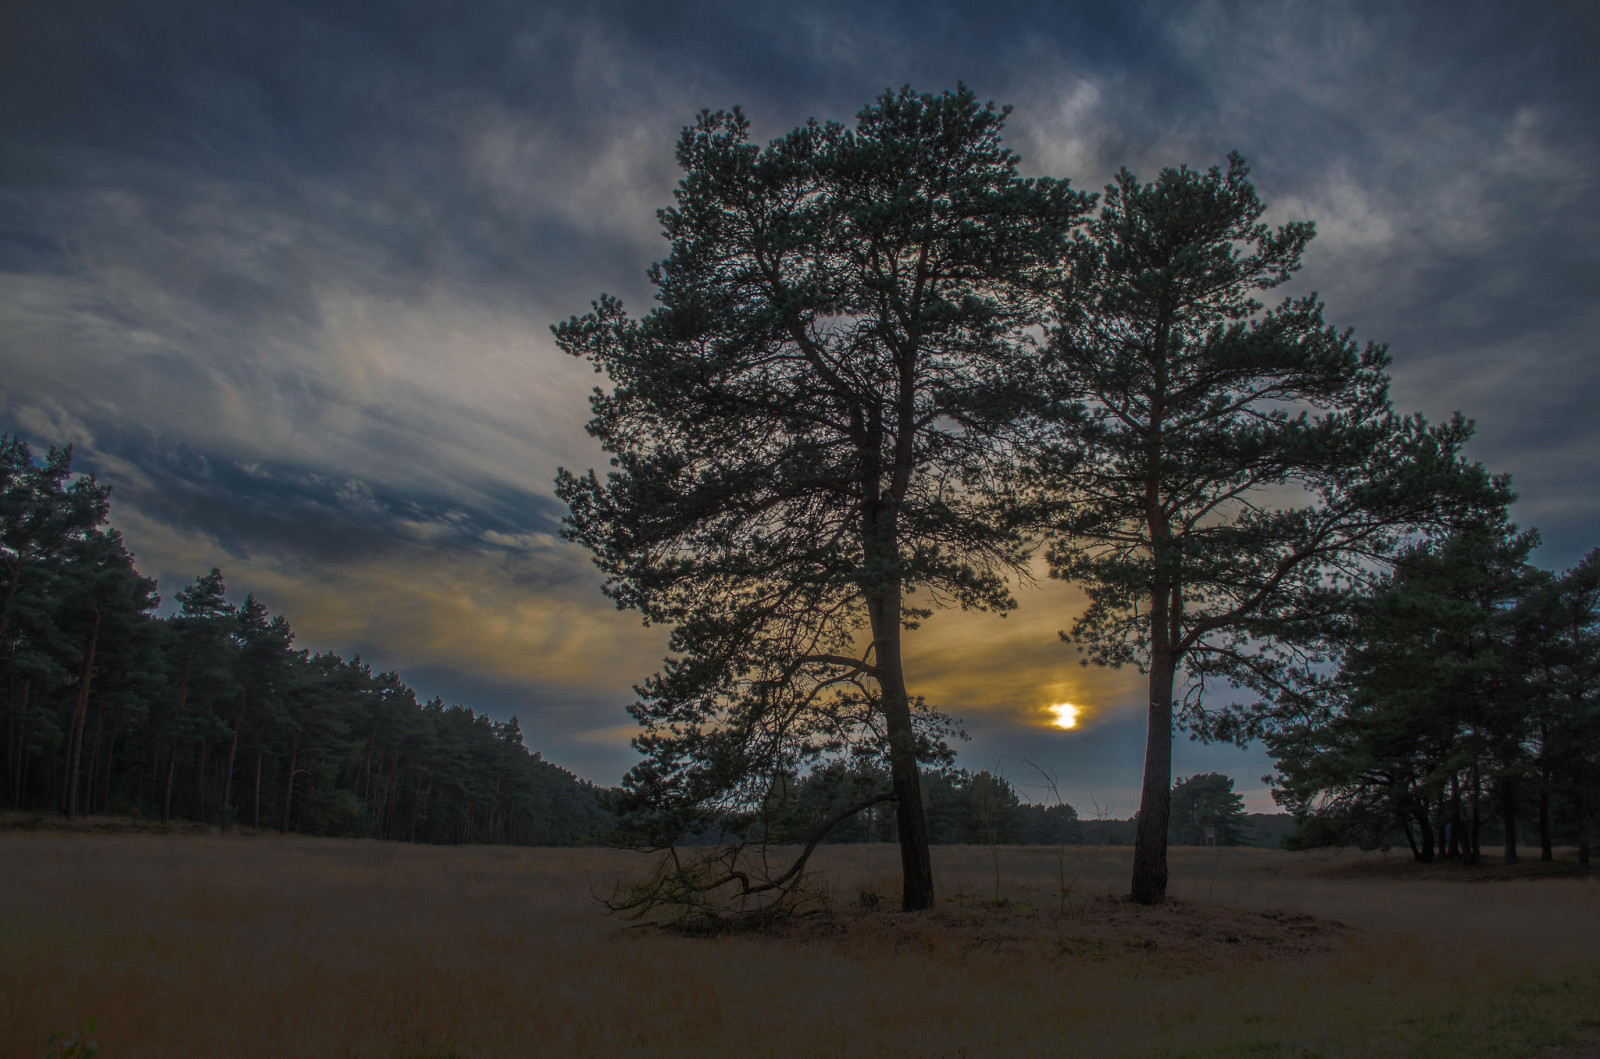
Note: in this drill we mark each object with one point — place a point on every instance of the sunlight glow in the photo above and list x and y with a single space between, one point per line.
1066 715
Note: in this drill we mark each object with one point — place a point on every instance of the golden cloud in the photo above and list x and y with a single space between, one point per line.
971 662
471 611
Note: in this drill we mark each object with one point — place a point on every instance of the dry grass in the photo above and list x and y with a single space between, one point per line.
261 946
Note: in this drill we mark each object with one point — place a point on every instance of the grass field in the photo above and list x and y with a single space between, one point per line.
187 945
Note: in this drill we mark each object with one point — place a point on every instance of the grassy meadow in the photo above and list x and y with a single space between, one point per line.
204 945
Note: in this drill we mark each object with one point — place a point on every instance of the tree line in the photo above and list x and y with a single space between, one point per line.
212 715
1464 703
885 373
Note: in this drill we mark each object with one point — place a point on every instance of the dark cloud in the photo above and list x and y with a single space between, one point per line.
284 272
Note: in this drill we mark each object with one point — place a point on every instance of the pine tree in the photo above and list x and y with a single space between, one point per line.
804 434
1206 811
1430 706
1217 468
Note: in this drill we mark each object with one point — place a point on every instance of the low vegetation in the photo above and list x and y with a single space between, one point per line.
270 946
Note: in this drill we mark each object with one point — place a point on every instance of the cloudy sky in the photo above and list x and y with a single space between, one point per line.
284 273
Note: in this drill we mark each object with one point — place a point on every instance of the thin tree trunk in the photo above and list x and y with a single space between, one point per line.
1427 836
1508 809
11 730
366 768
255 812
172 775
18 753
1546 850
1456 846
1476 836
90 773
79 711
233 752
288 787
172 766
11 594
1411 839
199 812
1583 822
916 865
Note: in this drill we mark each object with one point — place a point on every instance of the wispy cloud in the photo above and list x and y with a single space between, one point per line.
284 276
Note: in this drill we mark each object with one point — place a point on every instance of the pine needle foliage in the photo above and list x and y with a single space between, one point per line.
1219 470
806 431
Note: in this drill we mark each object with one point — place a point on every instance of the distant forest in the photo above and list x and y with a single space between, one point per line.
212 715
1465 703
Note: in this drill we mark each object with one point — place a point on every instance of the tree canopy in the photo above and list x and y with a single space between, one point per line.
1466 693
1214 472
807 431
1207 812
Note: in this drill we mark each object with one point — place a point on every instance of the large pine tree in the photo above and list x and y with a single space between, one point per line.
805 433
1217 468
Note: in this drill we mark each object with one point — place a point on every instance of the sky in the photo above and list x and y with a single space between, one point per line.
283 275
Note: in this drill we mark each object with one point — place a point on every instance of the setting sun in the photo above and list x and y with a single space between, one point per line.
1066 715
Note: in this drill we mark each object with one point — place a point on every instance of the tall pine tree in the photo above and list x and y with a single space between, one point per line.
804 434
1215 468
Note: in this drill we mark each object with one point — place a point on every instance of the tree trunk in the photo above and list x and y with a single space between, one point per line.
18 754
199 812
79 712
1476 836
365 780
1427 836
1456 846
288 787
233 752
177 735
11 594
255 813
1155 800
1546 852
90 773
1508 809
916 865
1411 839
1583 822
11 731
111 757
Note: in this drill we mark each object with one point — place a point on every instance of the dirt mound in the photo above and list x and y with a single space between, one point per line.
1178 937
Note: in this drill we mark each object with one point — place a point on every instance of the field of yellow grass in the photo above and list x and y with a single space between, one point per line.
186 945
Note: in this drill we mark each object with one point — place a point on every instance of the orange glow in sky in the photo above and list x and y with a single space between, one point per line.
1065 714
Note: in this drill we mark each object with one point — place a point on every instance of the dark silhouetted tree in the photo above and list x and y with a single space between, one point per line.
1206 812
1432 704
805 433
1219 469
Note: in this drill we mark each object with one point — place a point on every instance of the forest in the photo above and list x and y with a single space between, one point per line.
212 715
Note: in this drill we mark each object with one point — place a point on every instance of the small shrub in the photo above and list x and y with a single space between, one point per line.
65 1044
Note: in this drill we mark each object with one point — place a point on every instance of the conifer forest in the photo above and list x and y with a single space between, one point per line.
212 715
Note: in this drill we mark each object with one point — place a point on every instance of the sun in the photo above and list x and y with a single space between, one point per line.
1066 715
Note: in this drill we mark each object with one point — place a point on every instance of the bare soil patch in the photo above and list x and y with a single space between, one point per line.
1174 939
